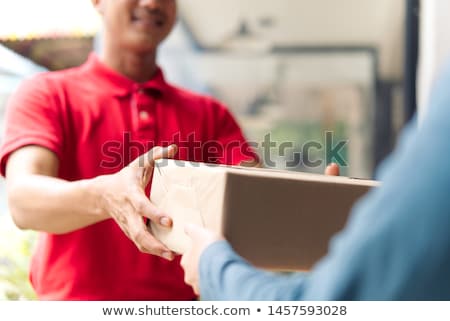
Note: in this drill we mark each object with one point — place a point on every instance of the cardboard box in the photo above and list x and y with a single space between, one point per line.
277 220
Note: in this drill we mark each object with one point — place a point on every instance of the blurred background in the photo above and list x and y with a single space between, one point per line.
293 69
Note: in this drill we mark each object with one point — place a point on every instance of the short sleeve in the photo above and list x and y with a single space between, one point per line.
32 118
232 147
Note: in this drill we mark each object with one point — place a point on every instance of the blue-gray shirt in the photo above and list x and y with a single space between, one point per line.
396 245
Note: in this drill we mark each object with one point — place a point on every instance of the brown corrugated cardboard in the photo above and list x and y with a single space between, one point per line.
275 219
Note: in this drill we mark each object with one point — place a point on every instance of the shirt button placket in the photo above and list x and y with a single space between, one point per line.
144 115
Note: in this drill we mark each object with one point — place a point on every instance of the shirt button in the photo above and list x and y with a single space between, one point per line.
143 115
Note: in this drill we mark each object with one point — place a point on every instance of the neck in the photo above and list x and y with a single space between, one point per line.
139 67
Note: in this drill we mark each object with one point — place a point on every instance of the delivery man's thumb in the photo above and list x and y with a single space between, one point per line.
148 159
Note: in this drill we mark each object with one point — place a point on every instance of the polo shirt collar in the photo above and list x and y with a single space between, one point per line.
120 85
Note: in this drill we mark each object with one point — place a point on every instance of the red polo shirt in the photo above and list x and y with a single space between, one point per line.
96 121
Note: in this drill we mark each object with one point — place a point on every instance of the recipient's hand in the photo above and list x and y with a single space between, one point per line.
201 239
123 198
333 170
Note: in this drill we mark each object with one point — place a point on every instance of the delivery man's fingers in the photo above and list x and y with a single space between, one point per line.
145 163
147 160
333 170
147 243
145 208
134 227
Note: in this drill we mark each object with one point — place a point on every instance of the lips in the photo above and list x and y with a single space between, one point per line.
149 18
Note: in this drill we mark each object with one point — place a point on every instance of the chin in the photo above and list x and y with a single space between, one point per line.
143 44
143 49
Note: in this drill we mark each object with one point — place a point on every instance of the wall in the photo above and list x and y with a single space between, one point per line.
304 22
434 48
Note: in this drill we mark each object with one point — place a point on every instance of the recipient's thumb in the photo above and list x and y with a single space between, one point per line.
332 170
193 231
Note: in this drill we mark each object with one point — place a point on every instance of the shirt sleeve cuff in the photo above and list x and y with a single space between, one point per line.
42 141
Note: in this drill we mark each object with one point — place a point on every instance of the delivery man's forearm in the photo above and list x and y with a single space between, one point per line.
40 201
53 205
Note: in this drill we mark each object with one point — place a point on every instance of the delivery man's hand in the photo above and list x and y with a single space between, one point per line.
201 238
124 199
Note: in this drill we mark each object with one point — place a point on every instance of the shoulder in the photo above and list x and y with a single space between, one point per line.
44 91
50 81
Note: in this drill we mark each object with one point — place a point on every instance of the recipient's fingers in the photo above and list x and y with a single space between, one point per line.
194 231
333 170
190 268
201 237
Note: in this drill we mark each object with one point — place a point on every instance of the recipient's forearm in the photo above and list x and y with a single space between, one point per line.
52 205
226 276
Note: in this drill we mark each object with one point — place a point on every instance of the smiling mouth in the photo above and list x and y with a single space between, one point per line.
149 22
149 19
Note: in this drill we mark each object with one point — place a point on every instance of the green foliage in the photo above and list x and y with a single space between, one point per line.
15 253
